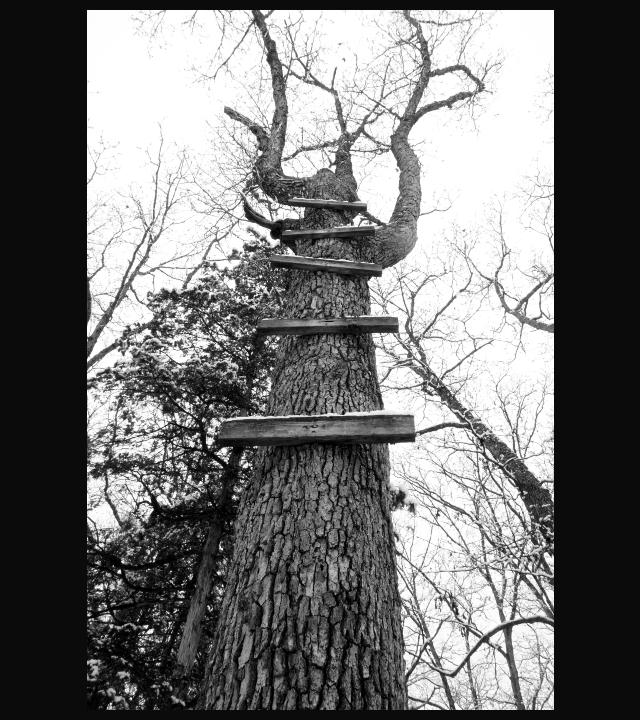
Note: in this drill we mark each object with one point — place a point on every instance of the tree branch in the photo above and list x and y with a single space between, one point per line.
516 311
434 428
486 636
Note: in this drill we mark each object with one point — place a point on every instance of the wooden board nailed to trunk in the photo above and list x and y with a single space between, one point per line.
372 427
314 326
360 232
342 267
329 204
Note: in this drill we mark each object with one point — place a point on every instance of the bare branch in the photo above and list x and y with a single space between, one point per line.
486 636
517 310
441 426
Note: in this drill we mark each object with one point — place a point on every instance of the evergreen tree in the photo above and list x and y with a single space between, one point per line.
171 489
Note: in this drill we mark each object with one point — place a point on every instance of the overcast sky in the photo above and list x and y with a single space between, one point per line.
135 83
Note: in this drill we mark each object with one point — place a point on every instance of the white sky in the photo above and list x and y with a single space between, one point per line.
134 84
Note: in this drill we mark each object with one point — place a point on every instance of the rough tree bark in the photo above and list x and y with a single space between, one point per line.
311 617
311 614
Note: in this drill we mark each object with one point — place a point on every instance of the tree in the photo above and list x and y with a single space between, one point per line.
476 567
142 238
413 353
538 279
156 574
478 596
310 617
161 546
476 558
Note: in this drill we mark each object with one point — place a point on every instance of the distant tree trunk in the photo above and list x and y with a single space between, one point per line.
192 630
443 677
470 680
193 624
536 497
514 678
311 614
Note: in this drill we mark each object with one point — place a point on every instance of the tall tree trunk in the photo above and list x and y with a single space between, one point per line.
311 614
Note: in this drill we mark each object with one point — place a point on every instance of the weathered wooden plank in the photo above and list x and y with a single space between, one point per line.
313 326
372 427
343 267
352 231
330 204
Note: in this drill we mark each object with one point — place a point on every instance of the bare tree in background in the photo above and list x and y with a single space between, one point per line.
141 240
476 566
520 229
478 597
532 304
422 345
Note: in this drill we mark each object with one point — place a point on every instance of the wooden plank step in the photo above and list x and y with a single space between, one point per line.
377 426
330 204
345 231
313 326
343 267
